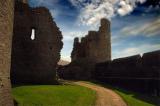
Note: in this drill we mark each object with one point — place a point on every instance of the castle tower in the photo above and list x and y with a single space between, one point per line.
6 26
105 38
96 46
75 46
105 27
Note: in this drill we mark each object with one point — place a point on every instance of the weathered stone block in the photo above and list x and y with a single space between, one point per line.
6 28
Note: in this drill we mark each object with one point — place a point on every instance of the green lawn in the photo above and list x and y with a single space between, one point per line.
54 95
132 98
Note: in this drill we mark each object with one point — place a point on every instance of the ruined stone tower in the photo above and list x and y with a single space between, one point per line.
6 26
93 48
96 46
104 53
34 60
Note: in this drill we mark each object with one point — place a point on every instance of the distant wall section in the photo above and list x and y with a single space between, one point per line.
136 73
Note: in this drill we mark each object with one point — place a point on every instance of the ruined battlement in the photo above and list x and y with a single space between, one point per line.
140 74
95 46
105 25
34 60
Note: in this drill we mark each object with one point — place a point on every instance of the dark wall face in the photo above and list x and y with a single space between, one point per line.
151 63
135 73
34 60
23 52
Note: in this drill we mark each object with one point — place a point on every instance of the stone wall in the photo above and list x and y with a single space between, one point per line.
96 46
35 60
77 70
141 74
6 26
93 48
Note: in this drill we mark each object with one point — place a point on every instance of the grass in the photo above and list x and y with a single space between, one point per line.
132 98
54 95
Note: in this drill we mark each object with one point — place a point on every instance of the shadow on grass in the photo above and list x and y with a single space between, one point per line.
146 98
58 82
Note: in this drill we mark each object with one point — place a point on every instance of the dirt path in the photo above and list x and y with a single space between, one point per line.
105 97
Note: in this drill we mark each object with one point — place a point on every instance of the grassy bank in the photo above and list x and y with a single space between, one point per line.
135 99
54 95
132 98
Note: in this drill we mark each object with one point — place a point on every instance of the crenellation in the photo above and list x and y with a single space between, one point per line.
96 44
136 73
95 47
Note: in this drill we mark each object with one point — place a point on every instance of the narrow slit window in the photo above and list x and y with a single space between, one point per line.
33 34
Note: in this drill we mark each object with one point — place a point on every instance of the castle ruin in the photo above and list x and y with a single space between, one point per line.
96 46
135 73
6 28
93 48
34 57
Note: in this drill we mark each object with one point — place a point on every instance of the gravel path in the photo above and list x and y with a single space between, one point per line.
105 96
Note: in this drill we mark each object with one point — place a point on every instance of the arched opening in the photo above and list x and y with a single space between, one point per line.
33 34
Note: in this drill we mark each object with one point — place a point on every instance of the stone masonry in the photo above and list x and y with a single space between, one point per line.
96 46
93 48
136 73
34 60
6 26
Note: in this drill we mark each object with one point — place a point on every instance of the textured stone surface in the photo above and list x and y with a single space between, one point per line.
96 46
34 61
93 48
6 26
141 74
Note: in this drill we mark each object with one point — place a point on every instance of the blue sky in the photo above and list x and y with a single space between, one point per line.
135 24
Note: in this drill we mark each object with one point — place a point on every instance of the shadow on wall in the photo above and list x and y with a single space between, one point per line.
36 46
136 73
95 47
139 96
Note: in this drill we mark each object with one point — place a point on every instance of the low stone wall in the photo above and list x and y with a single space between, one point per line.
77 70
136 73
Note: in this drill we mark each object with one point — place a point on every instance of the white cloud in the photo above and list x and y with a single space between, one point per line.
44 2
54 13
125 8
69 36
136 50
78 3
66 58
149 28
92 12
